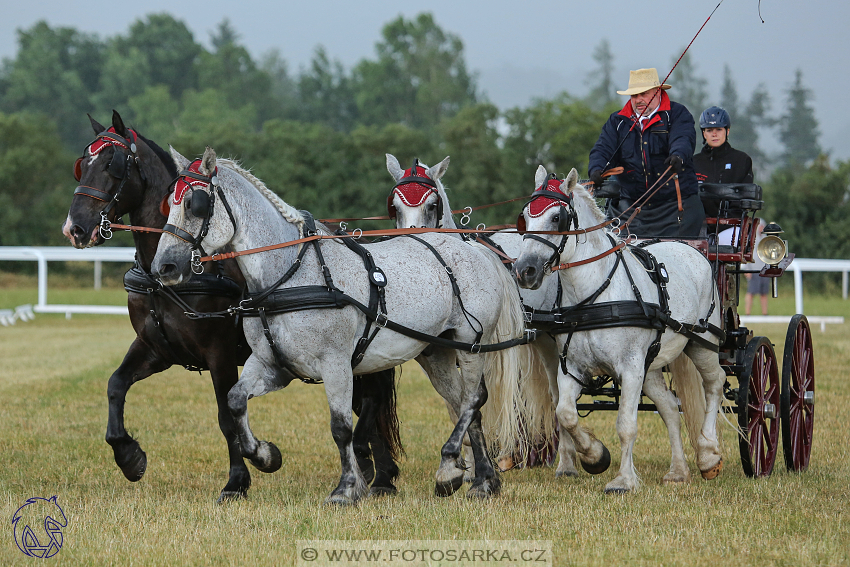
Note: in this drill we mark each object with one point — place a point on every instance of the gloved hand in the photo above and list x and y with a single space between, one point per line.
596 177
675 162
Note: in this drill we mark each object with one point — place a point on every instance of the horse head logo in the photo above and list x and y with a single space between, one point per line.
36 513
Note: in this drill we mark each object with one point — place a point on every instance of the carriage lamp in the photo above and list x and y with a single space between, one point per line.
772 249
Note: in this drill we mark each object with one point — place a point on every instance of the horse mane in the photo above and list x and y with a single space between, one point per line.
166 158
442 192
585 201
290 213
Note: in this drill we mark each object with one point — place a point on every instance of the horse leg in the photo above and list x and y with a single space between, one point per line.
378 426
139 363
668 409
440 367
224 374
593 455
339 388
487 482
257 379
709 455
566 448
467 458
366 422
631 382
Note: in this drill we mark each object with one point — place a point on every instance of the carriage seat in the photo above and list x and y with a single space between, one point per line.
739 196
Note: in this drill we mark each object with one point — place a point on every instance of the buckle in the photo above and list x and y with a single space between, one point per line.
381 320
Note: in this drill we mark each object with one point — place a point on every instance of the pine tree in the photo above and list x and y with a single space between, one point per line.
601 80
745 123
689 89
799 127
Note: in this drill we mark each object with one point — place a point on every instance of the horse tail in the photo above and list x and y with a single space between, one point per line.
503 416
687 383
380 389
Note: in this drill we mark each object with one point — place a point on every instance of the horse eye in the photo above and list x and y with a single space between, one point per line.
556 219
431 206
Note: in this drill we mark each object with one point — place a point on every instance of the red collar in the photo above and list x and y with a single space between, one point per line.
629 112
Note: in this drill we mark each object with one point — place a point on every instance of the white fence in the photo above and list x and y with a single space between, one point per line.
126 254
45 254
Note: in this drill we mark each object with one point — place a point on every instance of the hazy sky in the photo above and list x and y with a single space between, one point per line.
533 48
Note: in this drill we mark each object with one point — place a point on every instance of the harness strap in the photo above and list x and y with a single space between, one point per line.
280 360
479 331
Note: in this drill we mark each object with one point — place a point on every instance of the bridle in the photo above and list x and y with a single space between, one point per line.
423 181
202 206
118 167
566 217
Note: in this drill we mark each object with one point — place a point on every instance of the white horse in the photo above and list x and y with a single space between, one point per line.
417 203
464 300
621 351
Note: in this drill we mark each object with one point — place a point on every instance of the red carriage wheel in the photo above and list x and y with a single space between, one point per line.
797 402
758 408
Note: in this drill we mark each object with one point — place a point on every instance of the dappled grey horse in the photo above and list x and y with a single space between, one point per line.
460 295
600 274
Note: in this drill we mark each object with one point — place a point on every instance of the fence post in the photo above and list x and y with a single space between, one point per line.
98 274
798 288
844 285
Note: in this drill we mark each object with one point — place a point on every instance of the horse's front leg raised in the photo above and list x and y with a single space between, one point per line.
139 363
339 389
257 380
224 374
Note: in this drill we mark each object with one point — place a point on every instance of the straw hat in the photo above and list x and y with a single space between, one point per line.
641 81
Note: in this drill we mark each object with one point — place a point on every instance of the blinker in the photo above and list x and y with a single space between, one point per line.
200 204
78 168
117 166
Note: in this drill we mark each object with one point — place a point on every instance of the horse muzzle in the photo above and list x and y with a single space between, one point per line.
529 273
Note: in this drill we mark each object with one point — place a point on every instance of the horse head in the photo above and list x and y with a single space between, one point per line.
549 211
113 174
418 199
194 220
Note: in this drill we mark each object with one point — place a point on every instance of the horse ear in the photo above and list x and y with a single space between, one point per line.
118 124
394 168
208 161
97 126
437 171
571 180
179 160
540 176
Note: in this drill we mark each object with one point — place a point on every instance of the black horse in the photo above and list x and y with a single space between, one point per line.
122 172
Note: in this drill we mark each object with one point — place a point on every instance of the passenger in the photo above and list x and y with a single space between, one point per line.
650 134
719 162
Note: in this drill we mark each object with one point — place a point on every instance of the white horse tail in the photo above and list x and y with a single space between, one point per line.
687 383
501 416
537 409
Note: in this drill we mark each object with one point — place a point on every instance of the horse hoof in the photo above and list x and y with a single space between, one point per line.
712 473
617 491
506 463
675 479
484 490
448 487
600 466
268 458
379 491
135 465
231 496
568 474
340 500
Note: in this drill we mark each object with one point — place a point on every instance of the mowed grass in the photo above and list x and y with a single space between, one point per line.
53 375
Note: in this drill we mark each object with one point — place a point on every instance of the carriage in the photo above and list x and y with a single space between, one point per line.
764 398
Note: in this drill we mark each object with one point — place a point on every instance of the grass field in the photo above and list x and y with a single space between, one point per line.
53 375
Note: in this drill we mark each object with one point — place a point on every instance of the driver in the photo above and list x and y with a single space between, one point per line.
650 134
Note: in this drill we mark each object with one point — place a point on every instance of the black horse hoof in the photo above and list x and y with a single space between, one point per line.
616 491
133 462
379 491
231 496
268 458
567 474
447 488
367 469
600 466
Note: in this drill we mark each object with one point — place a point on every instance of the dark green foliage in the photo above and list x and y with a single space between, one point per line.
799 128
812 205
36 181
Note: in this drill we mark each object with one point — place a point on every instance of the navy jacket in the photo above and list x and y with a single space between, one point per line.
670 131
724 164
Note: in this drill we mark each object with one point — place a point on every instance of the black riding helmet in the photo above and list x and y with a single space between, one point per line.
714 117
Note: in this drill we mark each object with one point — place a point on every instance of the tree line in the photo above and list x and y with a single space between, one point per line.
318 136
